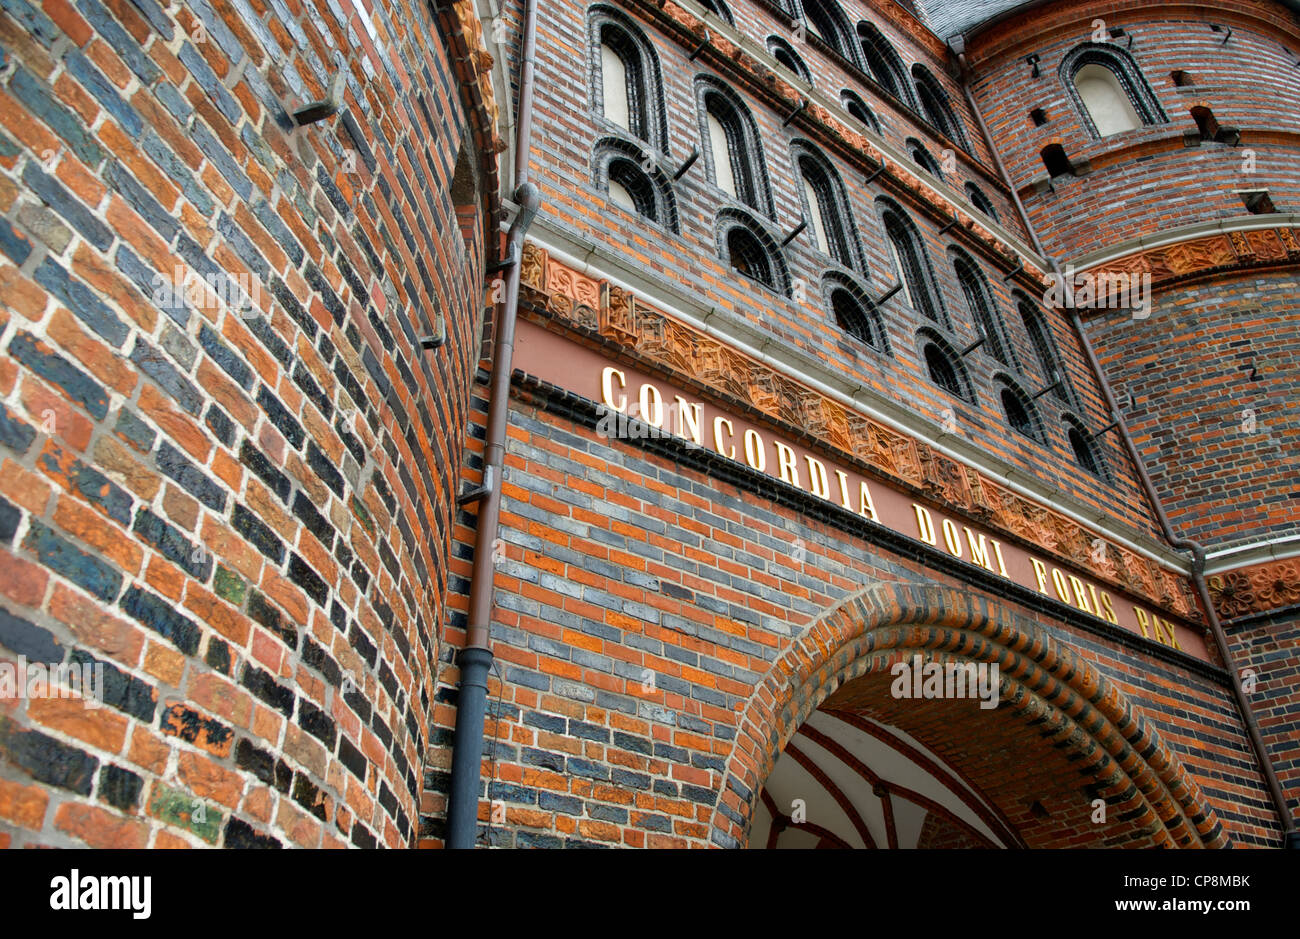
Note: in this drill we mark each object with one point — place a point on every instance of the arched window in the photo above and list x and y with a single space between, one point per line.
944 365
626 77
633 183
826 21
858 110
733 153
1044 349
854 312
784 53
1018 408
747 248
826 206
719 9
1085 450
979 301
1109 89
936 107
922 158
883 63
981 201
911 264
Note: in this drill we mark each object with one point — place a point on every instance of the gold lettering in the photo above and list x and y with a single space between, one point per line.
952 538
652 406
865 506
1081 595
755 452
925 524
789 465
843 477
1040 571
979 550
607 388
817 479
1002 565
1142 621
688 420
1108 606
1170 631
727 450
1062 588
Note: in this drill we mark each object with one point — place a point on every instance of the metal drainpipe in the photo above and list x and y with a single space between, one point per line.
475 658
1291 837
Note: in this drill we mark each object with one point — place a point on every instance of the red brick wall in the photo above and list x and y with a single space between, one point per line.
641 603
1267 647
243 519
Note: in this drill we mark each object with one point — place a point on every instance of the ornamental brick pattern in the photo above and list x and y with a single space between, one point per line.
241 515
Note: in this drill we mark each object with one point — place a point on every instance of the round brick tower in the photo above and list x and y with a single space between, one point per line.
1156 148
241 277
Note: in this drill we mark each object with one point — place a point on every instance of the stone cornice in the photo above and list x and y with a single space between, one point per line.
610 316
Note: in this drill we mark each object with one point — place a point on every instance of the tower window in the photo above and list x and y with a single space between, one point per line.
1084 452
1056 161
855 314
942 370
750 251
718 9
784 53
1019 413
922 158
1206 125
620 170
1109 89
981 201
734 154
628 88
1038 116
883 63
827 22
827 207
1258 202
858 110
978 300
1182 79
910 262
1044 350
936 107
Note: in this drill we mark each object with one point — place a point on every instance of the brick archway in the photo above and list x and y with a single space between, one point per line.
1055 696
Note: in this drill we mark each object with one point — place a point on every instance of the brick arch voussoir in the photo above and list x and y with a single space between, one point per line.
1057 693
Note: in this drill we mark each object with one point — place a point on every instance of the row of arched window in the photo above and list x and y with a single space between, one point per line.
628 166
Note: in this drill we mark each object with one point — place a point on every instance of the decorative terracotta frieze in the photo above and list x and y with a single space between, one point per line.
601 310
1259 589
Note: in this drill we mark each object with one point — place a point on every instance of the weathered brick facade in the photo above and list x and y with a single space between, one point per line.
247 513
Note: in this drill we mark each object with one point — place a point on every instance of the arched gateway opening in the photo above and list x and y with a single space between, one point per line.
829 754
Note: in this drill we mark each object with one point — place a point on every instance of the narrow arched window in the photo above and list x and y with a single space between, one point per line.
628 85
784 53
826 21
981 201
1110 90
943 370
936 106
883 63
826 207
748 249
1018 408
1085 452
855 313
1044 350
858 110
922 158
911 265
719 9
634 184
733 152
979 301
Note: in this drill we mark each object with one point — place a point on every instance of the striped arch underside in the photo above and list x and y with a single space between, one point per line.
1042 683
